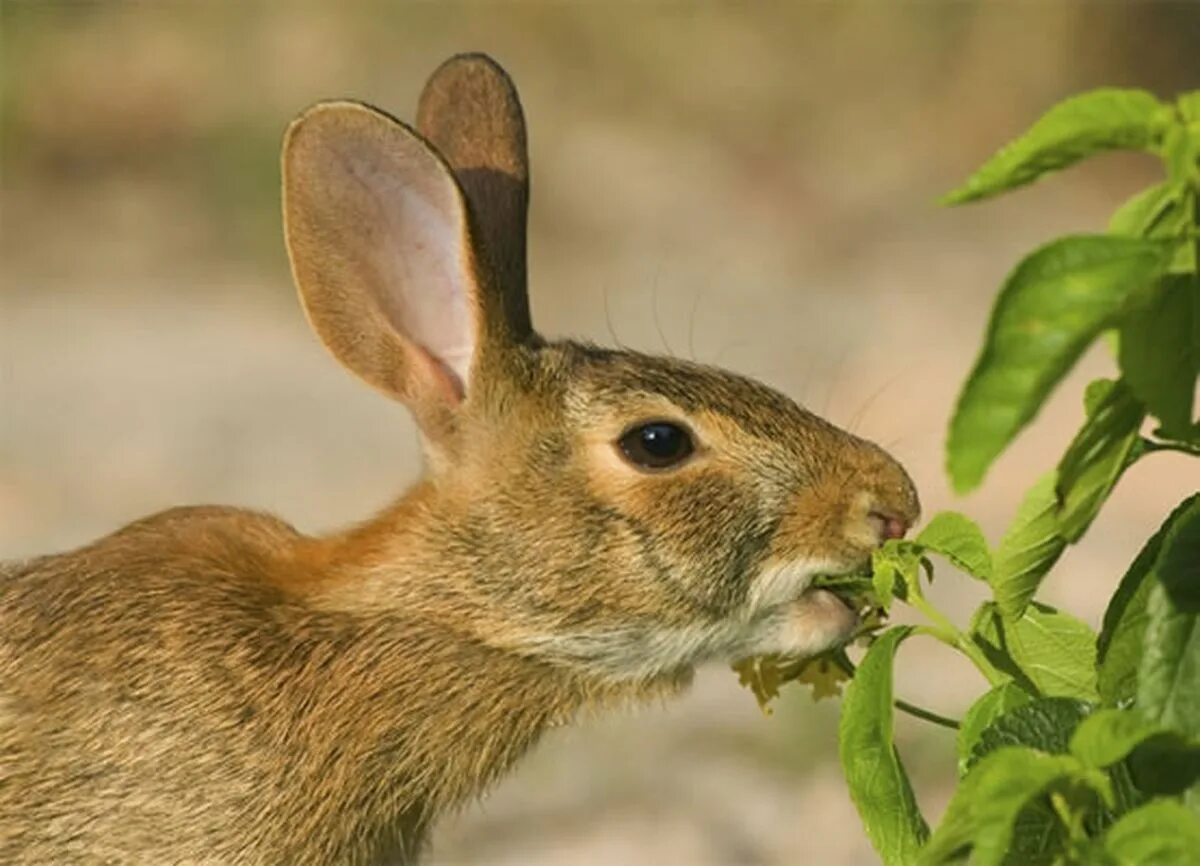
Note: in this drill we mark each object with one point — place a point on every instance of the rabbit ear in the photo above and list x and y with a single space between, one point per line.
380 246
470 112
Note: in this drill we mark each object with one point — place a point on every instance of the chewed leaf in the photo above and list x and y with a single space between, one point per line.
957 537
761 675
1050 309
824 675
1106 119
765 675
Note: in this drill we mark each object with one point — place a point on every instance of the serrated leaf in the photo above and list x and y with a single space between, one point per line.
761 675
1044 650
1045 724
1106 119
985 808
981 714
1161 833
878 783
1030 547
1169 673
1049 310
1102 449
957 537
1049 725
1159 351
894 566
824 677
1119 646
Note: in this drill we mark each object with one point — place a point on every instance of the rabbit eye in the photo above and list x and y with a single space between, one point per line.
656 445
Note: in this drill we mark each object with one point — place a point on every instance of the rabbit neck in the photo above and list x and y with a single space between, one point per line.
429 669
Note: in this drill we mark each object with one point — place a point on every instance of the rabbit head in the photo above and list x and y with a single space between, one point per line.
622 513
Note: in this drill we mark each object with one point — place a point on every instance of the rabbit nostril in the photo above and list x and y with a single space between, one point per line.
889 525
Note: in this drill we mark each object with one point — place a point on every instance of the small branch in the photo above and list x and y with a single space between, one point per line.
843 661
924 714
1182 447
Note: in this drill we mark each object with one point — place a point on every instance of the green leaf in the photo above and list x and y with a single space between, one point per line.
1119 646
1029 549
1169 674
1045 724
1106 119
894 566
1108 736
1049 310
1044 650
1139 215
1100 452
878 784
1165 212
1180 150
1189 108
1166 764
987 804
994 703
1160 351
1161 833
957 537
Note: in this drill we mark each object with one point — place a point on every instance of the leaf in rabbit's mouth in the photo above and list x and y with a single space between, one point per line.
826 672
856 590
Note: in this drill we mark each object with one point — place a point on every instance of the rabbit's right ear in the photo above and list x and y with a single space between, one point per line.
380 245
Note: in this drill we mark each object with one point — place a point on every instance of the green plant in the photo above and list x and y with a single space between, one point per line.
1085 749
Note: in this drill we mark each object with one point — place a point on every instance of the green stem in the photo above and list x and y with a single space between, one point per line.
944 630
1071 819
1182 447
924 714
843 661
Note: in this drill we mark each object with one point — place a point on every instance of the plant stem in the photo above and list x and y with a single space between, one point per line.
1182 447
843 661
949 634
924 714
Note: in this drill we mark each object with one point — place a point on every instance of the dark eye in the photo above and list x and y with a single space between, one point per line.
656 445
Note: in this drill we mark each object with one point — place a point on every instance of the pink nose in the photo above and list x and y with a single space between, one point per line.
891 526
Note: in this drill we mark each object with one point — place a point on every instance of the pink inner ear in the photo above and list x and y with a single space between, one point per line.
418 246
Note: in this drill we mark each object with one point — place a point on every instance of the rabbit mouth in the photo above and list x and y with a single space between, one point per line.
782 583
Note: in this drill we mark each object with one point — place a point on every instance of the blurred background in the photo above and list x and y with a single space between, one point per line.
748 184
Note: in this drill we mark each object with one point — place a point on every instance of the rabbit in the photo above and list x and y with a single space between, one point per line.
209 686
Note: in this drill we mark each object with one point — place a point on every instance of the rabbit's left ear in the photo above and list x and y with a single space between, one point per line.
469 111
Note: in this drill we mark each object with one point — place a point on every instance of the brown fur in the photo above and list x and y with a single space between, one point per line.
209 686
